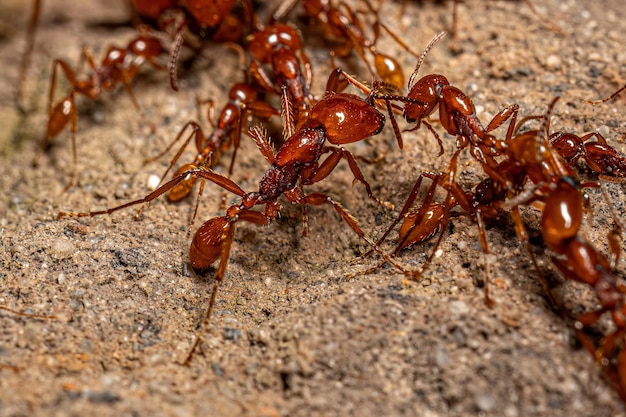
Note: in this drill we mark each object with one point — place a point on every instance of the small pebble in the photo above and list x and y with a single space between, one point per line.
62 249
457 308
553 62
485 402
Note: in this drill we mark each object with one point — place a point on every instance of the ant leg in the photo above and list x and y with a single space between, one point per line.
435 134
318 199
331 162
210 116
261 77
27 54
224 240
448 185
615 241
482 233
408 204
604 100
509 112
195 133
414 218
202 172
522 235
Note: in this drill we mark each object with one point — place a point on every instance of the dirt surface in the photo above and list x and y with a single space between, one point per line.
294 333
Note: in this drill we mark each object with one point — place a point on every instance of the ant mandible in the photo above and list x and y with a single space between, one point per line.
119 65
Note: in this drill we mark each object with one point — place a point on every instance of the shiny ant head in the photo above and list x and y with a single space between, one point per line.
425 95
265 42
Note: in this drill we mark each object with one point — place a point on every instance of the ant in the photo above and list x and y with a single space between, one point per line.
338 118
557 186
340 24
218 21
599 156
457 112
242 100
119 65
281 45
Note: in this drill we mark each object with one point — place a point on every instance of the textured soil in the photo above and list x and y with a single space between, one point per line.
298 329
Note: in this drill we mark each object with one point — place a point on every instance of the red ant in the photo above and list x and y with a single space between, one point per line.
281 45
340 24
119 65
457 112
217 21
242 101
338 118
560 191
599 156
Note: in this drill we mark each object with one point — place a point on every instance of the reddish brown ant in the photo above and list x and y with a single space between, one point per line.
340 24
119 65
457 112
243 100
337 118
196 21
281 46
557 186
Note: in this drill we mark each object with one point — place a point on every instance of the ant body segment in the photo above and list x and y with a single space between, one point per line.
119 65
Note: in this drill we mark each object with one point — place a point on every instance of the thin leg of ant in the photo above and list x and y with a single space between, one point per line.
329 164
318 199
522 235
430 194
615 233
196 133
26 56
32 316
604 100
604 352
200 173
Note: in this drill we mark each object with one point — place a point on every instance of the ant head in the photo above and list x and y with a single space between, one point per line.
265 42
209 13
425 95
347 118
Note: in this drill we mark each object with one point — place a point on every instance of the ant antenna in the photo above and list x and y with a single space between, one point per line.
430 46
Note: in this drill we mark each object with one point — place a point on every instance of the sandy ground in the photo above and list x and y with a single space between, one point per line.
293 334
